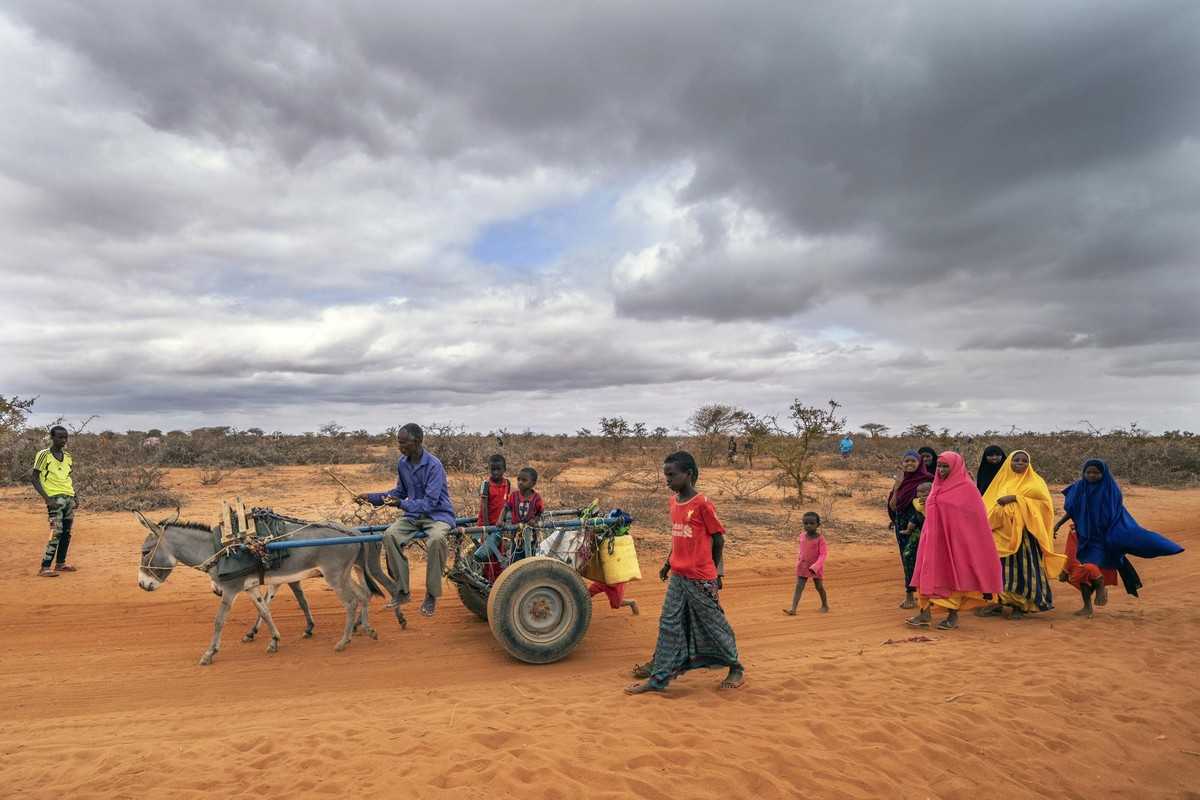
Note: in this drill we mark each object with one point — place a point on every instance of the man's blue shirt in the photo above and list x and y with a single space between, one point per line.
421 490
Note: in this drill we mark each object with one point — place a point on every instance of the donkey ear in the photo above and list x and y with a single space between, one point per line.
150 526
175 518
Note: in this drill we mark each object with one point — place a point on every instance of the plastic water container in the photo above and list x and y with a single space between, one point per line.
618 559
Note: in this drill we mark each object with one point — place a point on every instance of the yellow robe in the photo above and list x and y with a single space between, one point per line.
1033 511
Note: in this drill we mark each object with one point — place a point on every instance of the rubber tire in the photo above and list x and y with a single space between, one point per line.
474 602
514 584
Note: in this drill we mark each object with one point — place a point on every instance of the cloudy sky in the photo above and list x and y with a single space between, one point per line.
972 215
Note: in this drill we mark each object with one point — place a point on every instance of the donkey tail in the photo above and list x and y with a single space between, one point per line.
368 562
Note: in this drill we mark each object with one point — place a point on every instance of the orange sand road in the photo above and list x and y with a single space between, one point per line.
102 696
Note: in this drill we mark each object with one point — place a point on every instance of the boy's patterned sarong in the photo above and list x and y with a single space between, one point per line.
692 632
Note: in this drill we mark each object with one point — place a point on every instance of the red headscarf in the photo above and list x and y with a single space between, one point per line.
957 552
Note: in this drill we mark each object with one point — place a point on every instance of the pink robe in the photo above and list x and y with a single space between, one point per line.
957 552
810 556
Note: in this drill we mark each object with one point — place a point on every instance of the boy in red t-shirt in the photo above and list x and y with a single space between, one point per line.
693 632
524 506
494 492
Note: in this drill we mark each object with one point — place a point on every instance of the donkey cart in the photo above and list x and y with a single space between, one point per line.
527 581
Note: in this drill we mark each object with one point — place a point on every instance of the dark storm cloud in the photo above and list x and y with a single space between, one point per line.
987 181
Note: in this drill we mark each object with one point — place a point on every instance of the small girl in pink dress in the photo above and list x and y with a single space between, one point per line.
811 551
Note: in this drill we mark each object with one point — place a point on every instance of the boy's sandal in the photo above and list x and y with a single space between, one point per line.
47 573
65 568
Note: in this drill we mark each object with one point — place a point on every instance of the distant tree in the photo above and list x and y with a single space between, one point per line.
154 432
255 431
584 433
714 423
794 444
614 431
876 429
639 430
922 431
332 430
659 433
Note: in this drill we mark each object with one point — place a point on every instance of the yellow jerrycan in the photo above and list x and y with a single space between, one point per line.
618 559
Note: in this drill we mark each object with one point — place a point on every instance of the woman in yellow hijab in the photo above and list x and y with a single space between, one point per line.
1021 514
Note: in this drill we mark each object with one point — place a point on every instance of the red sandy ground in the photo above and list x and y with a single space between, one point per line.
102 696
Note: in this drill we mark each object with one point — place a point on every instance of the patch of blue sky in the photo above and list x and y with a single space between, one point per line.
542 237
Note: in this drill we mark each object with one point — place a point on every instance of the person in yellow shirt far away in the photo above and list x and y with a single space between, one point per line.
52 480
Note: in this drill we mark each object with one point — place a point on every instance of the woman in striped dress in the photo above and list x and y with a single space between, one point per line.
1021 514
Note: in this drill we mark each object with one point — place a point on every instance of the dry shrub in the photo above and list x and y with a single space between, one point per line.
1135 458
548 472
211 476
743 486
114 487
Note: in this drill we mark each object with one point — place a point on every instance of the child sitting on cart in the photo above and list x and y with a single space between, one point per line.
522 507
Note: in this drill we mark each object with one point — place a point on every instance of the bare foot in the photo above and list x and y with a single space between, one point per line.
46 572
947 624
824 609
633 606
994 610
909 603
641 688
643 671
1101 593
429 606
65 568
1086 611
791 612
736 679
1017 614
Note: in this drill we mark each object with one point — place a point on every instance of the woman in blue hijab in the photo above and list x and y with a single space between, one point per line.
1104 534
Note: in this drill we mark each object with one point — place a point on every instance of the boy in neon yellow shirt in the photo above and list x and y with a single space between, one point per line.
52 479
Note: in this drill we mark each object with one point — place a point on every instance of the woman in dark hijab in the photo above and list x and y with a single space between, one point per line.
989 464
900 509
928 459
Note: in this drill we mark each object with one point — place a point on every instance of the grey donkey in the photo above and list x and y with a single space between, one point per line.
171 542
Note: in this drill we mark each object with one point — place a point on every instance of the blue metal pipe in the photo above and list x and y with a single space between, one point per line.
289 544
372 533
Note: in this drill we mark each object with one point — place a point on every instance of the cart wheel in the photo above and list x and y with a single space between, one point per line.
474 600
539 609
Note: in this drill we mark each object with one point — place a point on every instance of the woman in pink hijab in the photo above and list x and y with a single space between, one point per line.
956 557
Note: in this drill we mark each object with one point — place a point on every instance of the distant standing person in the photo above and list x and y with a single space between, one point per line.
846 446
732 450
748 451
52 480
693 632
423 494
989 464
